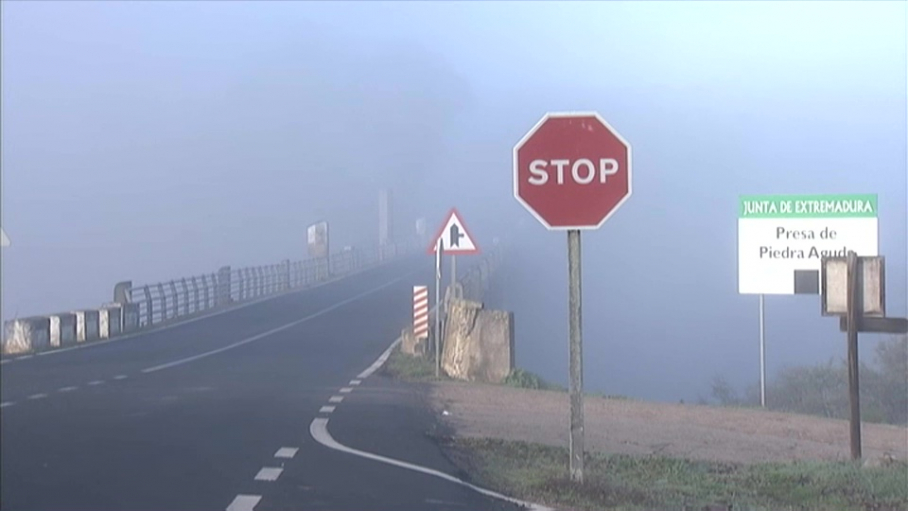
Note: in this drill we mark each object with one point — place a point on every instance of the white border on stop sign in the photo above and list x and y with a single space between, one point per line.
554 115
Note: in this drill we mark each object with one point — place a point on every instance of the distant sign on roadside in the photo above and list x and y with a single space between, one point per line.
317 239
782 239
454 237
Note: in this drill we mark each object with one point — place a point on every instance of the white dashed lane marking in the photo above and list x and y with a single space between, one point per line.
24 357
67 389
335 399
355 382
269 474
286 452
95 382
37 396
346 390
244 503
326 409
120 377
7 403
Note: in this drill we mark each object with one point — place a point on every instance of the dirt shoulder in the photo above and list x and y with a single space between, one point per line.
691 432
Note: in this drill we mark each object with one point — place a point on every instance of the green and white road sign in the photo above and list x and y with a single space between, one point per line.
782 238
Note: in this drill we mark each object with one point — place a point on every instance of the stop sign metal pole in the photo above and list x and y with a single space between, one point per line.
575 336
572 171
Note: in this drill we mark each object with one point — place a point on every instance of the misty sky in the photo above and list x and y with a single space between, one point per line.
153 140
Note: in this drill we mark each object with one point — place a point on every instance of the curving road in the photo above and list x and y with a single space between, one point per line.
215 414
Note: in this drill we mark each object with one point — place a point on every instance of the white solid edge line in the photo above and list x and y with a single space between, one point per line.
273 331
286 452
244 503
187 321
384 356
269 474
378 363
319 431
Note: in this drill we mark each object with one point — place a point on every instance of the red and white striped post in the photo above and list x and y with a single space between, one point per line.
421 312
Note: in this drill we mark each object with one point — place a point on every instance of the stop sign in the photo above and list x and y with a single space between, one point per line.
572 171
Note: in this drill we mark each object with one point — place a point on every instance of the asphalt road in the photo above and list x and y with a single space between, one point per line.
215 414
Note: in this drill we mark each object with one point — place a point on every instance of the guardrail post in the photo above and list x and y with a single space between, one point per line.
242 283
162 296
259 281
285 272
205 293
149 308
195 294
223 286
185 296
176 299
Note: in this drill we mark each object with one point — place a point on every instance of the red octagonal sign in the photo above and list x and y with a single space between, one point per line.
572 171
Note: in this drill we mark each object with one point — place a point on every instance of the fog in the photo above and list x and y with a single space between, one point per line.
148 141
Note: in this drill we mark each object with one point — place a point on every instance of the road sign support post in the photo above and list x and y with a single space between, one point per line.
575 336
854 396
762 352
853 287
438 307
453 269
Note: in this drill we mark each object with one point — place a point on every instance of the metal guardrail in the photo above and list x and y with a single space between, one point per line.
166 301
476 281
138 307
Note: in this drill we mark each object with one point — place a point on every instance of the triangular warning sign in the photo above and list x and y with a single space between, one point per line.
455 237
4 241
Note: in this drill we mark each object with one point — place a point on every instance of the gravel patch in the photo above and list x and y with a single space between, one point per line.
693 432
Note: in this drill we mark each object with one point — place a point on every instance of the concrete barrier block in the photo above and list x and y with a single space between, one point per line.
478 343
410 345
130 322
109 322
26 335
62 329
87 325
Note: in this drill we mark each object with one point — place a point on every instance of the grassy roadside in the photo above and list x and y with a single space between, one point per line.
539 473
406 367
409 368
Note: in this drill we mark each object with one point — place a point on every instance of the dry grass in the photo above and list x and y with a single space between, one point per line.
637 428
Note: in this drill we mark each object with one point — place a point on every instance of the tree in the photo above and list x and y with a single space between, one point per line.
892 360
723 392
